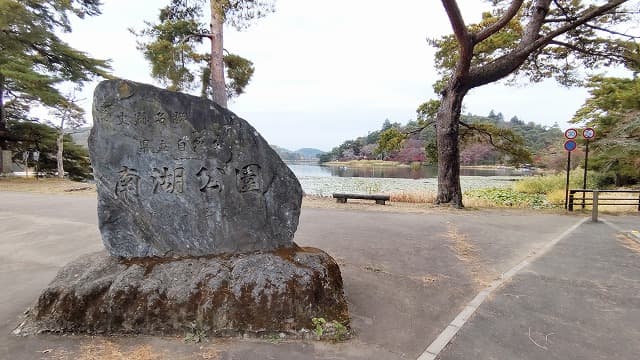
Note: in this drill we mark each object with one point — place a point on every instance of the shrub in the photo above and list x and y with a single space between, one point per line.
546 184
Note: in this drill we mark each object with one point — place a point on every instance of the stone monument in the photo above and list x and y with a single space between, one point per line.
198 216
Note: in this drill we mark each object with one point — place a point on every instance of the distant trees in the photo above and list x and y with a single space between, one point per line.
172 46
69 116
365 147
412 150
32 136
414 142
478 154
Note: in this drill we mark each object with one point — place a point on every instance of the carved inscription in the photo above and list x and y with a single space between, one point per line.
207 179
128 182
168 180
144 146
160 117
141 118
249 179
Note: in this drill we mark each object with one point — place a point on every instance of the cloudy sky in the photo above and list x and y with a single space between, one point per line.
331 70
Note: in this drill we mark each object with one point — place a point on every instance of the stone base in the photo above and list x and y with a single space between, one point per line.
256 293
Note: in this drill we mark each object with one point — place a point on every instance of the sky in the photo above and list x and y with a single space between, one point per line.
328 71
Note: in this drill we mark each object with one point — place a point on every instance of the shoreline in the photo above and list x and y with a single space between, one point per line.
384 163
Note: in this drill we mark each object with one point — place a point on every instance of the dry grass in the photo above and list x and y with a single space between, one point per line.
101 349
46 186
467 253
107 350
414 197
426 279
629 243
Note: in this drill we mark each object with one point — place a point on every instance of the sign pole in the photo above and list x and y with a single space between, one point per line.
25 160
36 158
569 145
566 188
584 176
587 134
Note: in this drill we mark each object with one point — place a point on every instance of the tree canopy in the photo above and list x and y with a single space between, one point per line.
613 109
34 60
173 46
536 40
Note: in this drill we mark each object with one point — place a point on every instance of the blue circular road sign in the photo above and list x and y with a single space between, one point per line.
570 145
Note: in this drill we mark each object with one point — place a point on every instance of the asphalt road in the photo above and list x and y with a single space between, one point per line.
406 277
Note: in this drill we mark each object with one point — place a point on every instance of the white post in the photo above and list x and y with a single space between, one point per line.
594 206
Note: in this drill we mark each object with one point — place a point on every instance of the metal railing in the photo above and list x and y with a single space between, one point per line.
597 200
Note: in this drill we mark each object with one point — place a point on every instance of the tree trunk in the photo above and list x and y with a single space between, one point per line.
217 64
60 143
3 118
447 128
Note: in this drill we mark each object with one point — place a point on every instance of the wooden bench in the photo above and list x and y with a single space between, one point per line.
379 198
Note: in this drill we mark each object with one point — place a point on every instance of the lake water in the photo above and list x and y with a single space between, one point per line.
326 180
399 172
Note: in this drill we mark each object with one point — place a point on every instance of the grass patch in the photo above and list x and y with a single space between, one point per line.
548 184
414 197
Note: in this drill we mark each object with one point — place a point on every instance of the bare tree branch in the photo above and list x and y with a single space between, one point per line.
591 52
559 20
489 136
456 20
462 35
612 32
583 19
420 128
562 9
512 11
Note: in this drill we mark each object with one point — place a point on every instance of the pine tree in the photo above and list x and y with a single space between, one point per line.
171 46
536 39
34 60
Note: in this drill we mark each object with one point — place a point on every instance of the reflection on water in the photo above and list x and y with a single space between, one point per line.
393 171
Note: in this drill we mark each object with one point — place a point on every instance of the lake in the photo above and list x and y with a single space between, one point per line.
395 172
324 180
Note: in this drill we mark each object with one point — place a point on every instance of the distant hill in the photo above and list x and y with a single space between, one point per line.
310 153
301 154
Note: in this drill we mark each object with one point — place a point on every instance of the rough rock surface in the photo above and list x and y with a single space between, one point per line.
178 176
261 292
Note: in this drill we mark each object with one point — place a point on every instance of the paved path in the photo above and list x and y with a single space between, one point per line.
406 277
579 301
